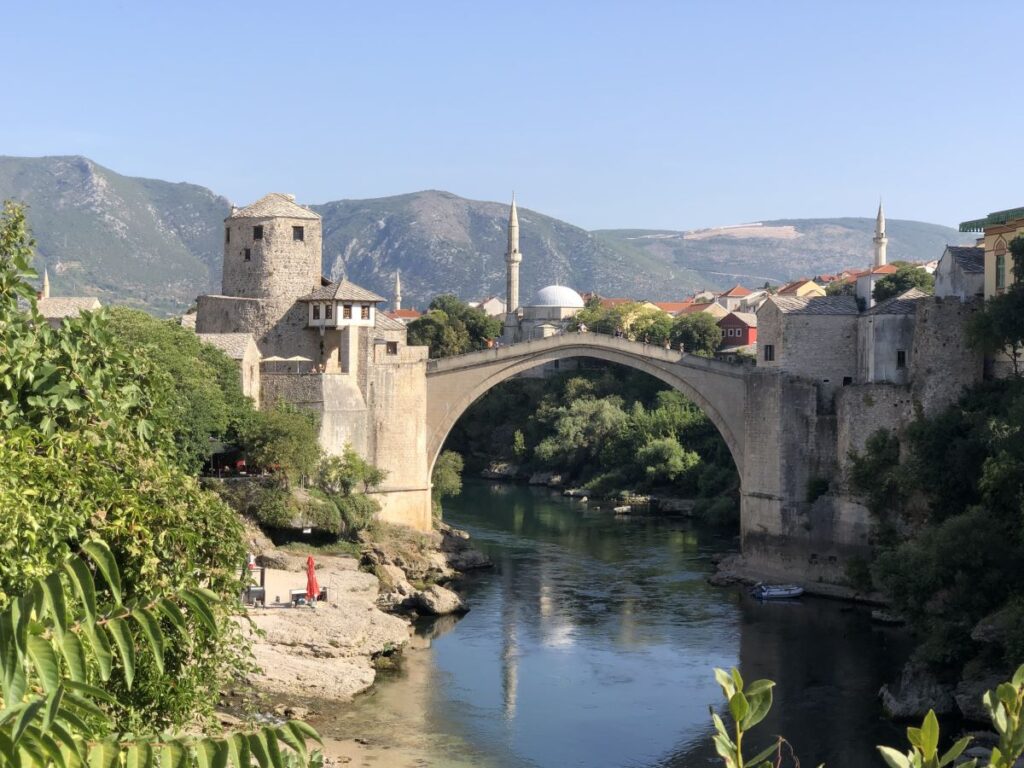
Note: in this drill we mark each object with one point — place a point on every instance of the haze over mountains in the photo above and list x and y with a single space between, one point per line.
158 244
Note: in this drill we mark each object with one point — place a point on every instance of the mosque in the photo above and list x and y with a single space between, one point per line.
552 308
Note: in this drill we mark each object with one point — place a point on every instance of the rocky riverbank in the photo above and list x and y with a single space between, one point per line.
330 652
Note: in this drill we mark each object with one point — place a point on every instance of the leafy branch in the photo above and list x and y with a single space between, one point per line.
61 640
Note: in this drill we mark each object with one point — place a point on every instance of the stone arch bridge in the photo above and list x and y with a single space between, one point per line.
455 383
782 439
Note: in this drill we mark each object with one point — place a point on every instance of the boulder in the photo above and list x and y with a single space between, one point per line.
501 470
436 600
542 478
458 552
274 559
969 693
915 691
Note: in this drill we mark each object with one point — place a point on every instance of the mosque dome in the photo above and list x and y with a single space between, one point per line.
558 296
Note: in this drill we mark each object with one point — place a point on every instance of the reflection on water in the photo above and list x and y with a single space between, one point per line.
592 644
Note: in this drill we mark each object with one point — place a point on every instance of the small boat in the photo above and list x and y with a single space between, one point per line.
776 591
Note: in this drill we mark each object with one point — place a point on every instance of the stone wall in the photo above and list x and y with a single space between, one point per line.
791 445
279 266
879 340
863 410
943 364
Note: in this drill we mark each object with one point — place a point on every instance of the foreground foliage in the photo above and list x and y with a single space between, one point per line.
60 644
86 454
749 705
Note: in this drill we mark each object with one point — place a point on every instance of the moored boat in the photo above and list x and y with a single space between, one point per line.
776 591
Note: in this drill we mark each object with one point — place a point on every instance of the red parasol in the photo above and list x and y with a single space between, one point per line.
312 587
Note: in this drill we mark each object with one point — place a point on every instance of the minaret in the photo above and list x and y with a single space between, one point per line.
398 290
45 293
880 239
512 259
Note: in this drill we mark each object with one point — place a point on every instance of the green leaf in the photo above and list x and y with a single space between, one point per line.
199 604
257 743
955 751
893 758
26 717
723 679
763 755
738 706
104 559
307 730
273 750
100 650
173 755
760 706
52 707
45 662
173 614
81 580
736 679
150 627
53 589
758 687
930 735
118 629
205 751
74 654
294 739
238 749
91 691
1018 677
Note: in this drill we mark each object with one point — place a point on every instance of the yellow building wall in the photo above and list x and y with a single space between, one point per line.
994 238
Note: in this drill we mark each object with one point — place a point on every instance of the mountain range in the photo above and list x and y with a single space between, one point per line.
157 244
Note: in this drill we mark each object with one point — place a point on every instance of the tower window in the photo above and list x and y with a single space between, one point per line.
346 311
769 353
247 254
901 358
316 311
257 232
392 347
364 311
298 233
227 235
328 311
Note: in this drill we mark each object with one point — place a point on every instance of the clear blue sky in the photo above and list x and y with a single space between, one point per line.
642 114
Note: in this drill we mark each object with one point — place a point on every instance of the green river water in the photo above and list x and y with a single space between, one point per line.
592 642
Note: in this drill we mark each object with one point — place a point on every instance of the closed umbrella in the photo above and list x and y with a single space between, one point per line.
312 586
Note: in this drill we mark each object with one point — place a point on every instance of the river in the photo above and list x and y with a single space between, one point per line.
592 643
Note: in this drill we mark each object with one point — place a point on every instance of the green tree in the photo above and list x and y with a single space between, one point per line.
842 288
347 479
905 277
651 325
698 332
665 460
446 479
582 430
283 438
82 458
204 399
452 327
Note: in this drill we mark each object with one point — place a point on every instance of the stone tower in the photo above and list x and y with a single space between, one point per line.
880 240
271 249
398 290
512 259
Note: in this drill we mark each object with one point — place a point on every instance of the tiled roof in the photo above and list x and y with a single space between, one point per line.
274 204
737 291
970 258
66 306
412 314
904 304
748 318
816 305
609 302
234 345
792 287
343 291
385 323
672 307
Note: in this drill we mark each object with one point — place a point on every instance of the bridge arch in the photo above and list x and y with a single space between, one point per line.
455 383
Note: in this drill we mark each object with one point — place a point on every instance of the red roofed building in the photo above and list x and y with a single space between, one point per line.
404 316
739 329
732 298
